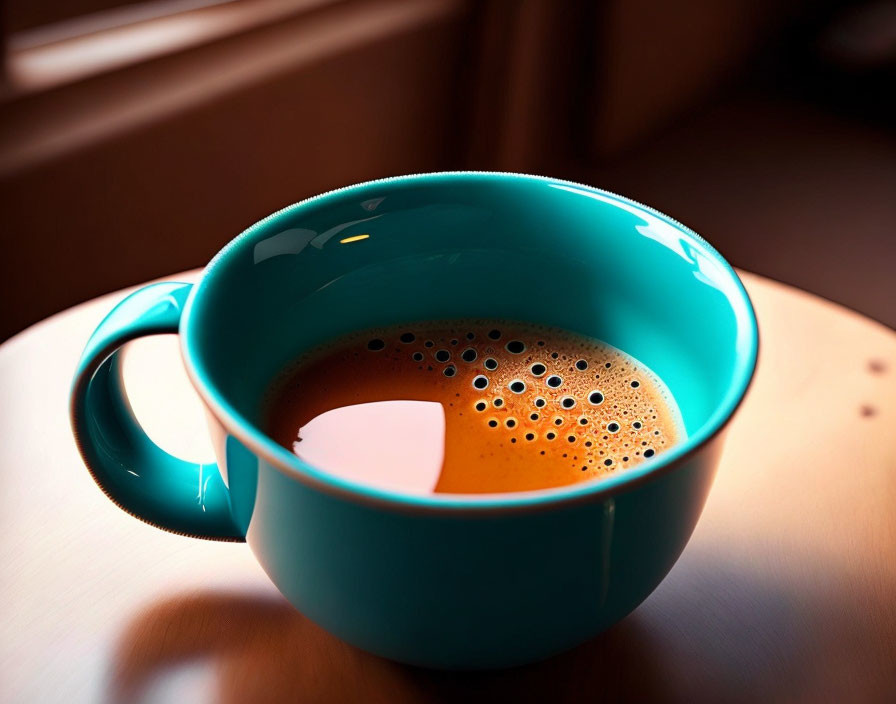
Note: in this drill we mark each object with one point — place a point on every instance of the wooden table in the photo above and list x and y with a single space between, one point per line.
787 590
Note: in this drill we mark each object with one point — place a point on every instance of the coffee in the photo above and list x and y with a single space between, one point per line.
471 406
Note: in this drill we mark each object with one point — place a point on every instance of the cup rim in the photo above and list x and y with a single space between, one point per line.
589 491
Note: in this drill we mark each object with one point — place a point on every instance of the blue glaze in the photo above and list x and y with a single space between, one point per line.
135 473
442 580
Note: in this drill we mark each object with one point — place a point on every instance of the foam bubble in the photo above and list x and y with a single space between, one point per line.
480 381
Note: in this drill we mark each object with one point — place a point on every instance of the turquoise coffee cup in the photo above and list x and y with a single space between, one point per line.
447 581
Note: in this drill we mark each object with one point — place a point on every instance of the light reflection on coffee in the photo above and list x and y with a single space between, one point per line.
471 406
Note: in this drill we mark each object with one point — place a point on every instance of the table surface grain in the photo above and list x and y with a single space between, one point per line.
786 592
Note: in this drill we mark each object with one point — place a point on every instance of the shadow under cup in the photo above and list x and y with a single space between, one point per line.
467 581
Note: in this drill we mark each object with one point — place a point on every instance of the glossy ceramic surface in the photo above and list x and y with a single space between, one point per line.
443 580
134 472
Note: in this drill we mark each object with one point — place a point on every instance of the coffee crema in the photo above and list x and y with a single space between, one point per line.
471 406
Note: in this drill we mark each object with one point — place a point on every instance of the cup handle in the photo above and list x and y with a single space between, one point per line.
144 480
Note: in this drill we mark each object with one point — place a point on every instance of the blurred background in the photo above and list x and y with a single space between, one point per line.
137 137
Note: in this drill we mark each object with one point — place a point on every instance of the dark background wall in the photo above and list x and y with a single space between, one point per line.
139 138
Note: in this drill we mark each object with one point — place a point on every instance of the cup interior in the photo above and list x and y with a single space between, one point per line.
471 245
